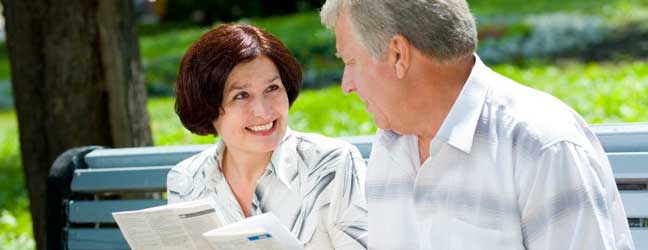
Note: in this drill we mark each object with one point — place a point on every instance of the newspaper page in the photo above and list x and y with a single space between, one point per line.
169 227
254 233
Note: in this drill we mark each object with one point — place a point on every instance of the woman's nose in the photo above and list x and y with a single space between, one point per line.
262 107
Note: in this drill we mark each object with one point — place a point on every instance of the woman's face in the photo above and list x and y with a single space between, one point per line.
255 107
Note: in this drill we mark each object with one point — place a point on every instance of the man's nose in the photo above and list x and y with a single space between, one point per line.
348 84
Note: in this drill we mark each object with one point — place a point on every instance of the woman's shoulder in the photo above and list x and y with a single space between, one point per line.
191 166
318 150
320 143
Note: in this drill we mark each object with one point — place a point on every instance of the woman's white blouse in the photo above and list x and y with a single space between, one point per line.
313 184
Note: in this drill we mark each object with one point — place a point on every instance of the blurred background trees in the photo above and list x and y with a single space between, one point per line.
589 53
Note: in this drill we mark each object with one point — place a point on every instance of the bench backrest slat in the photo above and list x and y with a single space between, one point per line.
640 238
140 179
629 167
635 203
623 137
141 156
101 211
96 239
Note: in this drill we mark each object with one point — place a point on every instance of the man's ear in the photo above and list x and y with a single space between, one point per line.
399 55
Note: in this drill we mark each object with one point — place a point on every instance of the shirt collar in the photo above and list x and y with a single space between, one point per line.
459 127
285 161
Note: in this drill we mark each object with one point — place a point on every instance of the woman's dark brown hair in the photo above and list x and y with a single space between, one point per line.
208 62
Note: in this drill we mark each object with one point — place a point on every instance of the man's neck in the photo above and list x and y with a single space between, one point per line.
434 91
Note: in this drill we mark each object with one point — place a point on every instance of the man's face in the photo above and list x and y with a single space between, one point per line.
373 80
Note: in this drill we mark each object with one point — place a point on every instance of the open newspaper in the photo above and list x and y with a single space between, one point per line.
196 225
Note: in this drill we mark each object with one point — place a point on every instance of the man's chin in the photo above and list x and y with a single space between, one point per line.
381 124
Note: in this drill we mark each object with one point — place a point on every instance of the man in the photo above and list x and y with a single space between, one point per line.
466 158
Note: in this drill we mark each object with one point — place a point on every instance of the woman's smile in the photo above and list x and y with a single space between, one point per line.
263 129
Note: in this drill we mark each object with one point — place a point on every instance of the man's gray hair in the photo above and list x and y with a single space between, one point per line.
443 29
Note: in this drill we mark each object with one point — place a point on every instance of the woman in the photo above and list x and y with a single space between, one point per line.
238 81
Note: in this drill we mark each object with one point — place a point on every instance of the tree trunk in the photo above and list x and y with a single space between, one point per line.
77 80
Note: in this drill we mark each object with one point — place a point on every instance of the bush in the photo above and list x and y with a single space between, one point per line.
6 100
544 36
556 33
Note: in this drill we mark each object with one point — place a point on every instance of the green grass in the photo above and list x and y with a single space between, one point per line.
609 92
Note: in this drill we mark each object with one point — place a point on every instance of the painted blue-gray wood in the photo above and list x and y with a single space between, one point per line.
90 211
363 143
101 211
640 238
120 179
622 137
630 167
635 203
171 155
141 156
96 239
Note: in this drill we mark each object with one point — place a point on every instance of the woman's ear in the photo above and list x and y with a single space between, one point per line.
400 56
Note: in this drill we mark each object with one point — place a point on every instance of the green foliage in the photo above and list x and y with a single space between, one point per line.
330 112
16 230
611 8
161 55
166 126
15 220
541 36
606 92
6 100
311 43
314 49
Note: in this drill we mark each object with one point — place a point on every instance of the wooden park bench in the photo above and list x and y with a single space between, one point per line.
87 184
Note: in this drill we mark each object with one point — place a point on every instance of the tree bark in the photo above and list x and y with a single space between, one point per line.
77 80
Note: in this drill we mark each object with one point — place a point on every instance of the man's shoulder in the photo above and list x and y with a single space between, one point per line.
531 116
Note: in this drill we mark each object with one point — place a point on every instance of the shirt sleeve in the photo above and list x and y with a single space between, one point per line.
568 200
174 183
347 215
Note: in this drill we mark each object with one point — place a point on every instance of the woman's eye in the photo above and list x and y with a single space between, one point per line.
241 95
272 88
